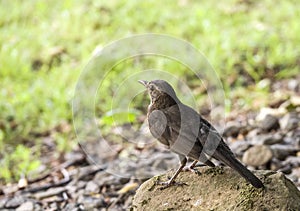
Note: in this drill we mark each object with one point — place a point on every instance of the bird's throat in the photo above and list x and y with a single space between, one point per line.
162 102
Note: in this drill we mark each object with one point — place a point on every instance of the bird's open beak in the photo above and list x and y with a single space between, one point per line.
143 82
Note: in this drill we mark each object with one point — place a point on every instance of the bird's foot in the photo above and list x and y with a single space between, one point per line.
192 169
169 183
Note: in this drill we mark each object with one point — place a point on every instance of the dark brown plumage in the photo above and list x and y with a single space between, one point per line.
186 133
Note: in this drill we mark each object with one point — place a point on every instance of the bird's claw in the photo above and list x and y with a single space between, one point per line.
169 184
196 171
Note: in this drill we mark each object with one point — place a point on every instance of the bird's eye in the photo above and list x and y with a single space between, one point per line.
151 87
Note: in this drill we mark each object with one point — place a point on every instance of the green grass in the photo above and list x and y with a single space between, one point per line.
45 45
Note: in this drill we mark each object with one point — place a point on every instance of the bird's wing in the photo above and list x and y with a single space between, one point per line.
191 134
184 125
158 126
211 139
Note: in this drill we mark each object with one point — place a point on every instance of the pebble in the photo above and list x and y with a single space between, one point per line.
286 169
293 84
71 207
91 187
15 202
239 147
292 160
231 130
257 155
252 134
38 206
270 111
91 202
289 121
3 202
10 189
266 139
23 183
28 206
282 151
295 175
270 123
290 140
50 192
295 100
276 164
296 172
74 207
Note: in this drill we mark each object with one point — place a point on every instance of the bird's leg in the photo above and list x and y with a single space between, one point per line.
193 164
171 181
192 168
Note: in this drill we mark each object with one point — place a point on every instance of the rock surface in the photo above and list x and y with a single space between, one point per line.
218 189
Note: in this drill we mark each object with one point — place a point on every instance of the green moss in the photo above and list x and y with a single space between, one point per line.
156 179
169 209
235 186
248 195
215 171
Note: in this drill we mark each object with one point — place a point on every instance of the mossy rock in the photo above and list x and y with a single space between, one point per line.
218 189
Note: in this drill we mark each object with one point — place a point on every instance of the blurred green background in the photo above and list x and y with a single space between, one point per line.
46 44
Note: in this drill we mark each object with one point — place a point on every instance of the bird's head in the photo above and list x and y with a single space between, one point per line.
159 88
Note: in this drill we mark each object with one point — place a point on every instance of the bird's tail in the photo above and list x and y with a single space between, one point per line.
232 162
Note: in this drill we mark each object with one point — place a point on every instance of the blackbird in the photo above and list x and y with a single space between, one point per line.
185 132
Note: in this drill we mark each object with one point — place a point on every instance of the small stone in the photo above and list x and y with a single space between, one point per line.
28 206
295 175
23 183
267 139
15 202
92 187
81 184
276 103
91 202
54 206
293 84
296 172
37 206
282 151
50 192
252 134
3 202
291 160
276 164
74 156
73 207
239 147
289 121
270 111
10 189
290 140
109 180
295 100
231 130
270 123
71 189
257 155
286 169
